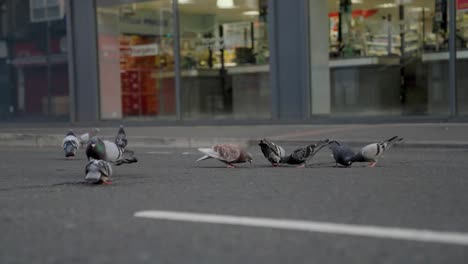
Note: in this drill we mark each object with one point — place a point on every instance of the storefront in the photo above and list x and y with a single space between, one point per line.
152 60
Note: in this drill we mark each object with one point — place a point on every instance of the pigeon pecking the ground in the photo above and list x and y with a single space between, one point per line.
98 171
302 155
70 144
272 152
227 153
121 138
99 149
342 154
372 152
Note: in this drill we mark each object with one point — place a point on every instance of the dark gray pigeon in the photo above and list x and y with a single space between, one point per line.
121 138
70 144
226 153
372 152
342 154
272 152
109 151
301 156
98 171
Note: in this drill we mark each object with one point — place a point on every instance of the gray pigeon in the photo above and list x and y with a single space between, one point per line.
342 154
84 138
70 144
109 151
121 138
98 171
301 156
272 152
372 152
227 153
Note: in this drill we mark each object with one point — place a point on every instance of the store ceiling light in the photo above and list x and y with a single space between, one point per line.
387 5
251 13
225 4
184 2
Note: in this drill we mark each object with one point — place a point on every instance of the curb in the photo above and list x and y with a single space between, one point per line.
38 140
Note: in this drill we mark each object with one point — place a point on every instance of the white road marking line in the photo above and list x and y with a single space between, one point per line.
311 226
159 152
187 153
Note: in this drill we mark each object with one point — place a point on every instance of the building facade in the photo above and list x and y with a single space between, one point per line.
92 60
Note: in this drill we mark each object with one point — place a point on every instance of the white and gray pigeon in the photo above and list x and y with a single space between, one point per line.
70 144
342 154
121 138
98 171
272 152
372 152
302 155
84 138
99 149
226 153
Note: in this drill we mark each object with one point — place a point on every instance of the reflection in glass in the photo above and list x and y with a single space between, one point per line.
33 62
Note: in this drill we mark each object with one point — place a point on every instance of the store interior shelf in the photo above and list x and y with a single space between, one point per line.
441 56
364 61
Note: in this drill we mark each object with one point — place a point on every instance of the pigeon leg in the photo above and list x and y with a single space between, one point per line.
71 157
372 164
301 166
230 166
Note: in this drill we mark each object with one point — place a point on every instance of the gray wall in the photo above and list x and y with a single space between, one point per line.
290 61
84 61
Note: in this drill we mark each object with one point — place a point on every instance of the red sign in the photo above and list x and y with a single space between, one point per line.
462 4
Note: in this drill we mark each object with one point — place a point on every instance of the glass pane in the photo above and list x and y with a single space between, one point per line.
462 56
224 59
34 72
375 57
136 59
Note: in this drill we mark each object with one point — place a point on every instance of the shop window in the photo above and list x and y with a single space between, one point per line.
382 57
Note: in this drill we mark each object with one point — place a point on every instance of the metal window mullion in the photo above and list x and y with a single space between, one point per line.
178 81
452 59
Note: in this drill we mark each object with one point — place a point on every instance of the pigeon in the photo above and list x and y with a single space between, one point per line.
302 155
84 138
99 149
227 153
98 171
70 144
121 138
272 152
372 152
342 154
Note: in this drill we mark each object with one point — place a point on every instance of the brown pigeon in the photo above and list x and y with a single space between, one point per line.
227 153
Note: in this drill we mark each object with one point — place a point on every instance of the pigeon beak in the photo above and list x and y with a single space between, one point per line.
93 145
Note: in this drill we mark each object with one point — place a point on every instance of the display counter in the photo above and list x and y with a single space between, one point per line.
437 65
251 93
368 85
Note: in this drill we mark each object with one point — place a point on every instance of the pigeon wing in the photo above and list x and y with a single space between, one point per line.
228 152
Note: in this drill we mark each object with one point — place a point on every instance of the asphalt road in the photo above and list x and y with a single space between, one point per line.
49 215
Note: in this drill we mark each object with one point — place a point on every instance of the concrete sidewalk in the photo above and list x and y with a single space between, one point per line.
439 135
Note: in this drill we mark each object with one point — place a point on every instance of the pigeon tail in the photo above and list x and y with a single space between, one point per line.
121 137
209 152
391 141
203 158
70 133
